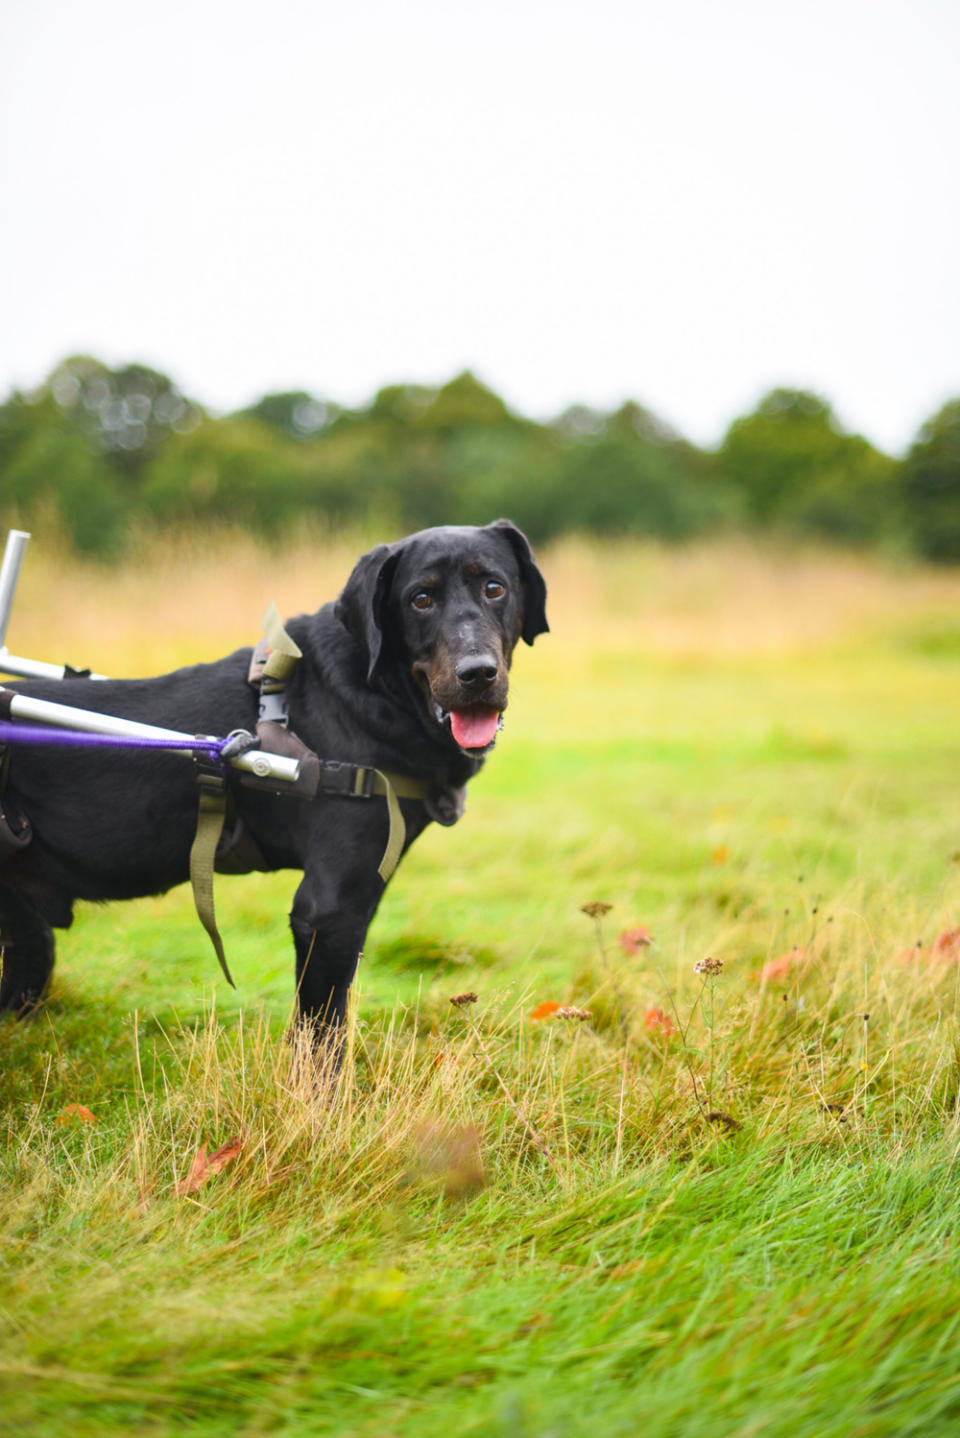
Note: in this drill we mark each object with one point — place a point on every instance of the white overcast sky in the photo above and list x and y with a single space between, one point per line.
685 202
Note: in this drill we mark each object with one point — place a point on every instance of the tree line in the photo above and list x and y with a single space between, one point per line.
100 452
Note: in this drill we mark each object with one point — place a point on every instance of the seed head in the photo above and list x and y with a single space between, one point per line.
727 1119
463 1001
596 908
572 1013
710 967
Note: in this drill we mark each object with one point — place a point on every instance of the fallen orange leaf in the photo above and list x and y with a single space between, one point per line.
544 1010
776 968
633 940
655 1021
204 1167
224 1155
947 944
199 1173
78 1112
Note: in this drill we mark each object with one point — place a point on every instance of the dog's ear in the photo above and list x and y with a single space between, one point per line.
534 586
361 608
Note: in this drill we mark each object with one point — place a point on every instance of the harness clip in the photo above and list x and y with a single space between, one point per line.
238 741
339 777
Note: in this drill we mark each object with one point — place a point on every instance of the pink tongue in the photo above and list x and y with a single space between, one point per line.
474 728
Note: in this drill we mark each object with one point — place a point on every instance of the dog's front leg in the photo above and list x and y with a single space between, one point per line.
329 929
26 942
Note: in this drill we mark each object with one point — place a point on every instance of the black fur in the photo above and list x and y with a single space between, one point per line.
376 669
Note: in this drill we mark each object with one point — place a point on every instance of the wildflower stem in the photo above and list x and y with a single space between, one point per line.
683 1043
623 1092
709 1022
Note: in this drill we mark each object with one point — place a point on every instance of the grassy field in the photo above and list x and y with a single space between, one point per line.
725 1204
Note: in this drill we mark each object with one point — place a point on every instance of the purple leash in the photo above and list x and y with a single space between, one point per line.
81 739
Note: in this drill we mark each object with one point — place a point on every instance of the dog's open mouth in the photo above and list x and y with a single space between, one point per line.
473 728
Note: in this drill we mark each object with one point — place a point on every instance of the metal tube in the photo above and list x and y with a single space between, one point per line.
33 668
16 548
257 761
17 541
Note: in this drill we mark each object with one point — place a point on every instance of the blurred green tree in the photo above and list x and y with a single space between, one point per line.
237 471
53 475
95 448
73 451
930 485
796 468
465 403
295 413
128 411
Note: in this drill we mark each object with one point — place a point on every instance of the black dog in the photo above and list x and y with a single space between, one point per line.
406 672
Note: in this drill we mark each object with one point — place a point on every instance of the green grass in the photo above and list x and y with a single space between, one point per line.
496 1226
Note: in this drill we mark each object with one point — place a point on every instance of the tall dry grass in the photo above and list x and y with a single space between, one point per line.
844 1045
194 598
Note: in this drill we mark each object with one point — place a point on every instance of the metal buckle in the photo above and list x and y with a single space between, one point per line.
273 707
210 782
339 777
239 741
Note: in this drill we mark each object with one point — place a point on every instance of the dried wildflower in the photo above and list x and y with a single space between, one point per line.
633 940
595 909
727 1119
655 1021
571 1013
708 967
545 1010
463 1001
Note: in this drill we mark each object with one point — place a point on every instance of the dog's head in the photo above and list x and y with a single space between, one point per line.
450 605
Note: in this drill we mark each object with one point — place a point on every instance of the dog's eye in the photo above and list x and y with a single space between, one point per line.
493 589
422 600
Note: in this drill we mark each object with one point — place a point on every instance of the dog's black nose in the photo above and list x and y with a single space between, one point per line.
477 669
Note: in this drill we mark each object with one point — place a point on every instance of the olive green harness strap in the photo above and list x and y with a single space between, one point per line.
212 813
395 787
284 652
203 853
